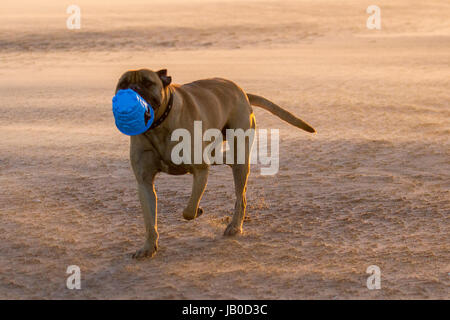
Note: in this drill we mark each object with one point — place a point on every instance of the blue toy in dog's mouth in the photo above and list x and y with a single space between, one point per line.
132 114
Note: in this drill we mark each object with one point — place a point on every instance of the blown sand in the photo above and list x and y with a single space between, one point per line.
371 188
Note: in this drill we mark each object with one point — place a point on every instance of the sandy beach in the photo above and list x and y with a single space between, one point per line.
372 187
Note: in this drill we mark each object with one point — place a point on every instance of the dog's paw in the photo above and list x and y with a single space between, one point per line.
232 230
145 251
188 215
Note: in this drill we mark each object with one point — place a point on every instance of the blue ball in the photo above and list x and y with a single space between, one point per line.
129 110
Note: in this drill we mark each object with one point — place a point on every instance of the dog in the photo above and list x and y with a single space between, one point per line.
218 103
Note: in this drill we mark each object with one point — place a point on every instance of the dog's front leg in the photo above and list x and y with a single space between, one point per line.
147 197
144 168
198 187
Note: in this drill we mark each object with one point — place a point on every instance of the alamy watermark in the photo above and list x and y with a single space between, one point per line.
74 20
374 20
74 280
374 280
231 149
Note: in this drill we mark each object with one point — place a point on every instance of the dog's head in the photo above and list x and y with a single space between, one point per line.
150 85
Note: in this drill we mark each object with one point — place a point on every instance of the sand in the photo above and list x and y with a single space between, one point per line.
372 187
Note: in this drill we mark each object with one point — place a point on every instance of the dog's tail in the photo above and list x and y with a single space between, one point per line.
262 102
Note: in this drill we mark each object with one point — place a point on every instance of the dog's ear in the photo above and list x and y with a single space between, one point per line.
162 74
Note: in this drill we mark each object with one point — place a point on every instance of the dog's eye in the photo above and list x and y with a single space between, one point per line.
147 82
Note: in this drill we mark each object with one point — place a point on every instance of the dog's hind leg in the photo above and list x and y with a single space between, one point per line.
200 180
240 175
241 170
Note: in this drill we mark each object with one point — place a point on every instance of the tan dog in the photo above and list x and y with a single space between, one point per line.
218 103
